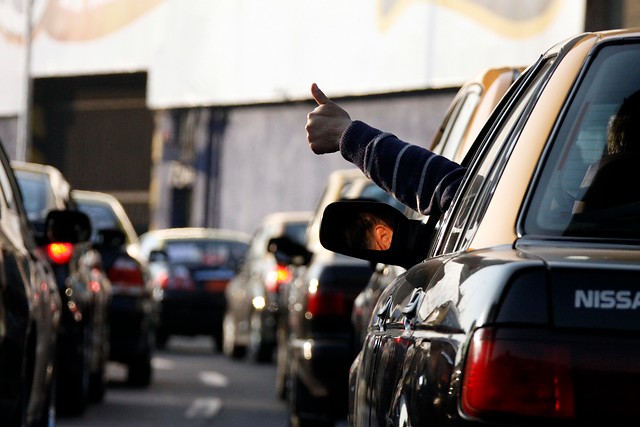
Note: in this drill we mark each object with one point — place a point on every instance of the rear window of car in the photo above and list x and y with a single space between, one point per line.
588 185
37 195
101 215
225 253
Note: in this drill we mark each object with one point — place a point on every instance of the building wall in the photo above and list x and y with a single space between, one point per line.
258 159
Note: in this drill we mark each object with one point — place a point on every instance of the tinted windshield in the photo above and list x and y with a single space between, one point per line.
588 185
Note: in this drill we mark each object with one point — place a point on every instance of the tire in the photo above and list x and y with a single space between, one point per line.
259 350
282 364
98 384
48 419
161 339
301 405
230 347
140 370
72 394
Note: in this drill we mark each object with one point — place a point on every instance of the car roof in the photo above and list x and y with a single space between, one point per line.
196 233
287 217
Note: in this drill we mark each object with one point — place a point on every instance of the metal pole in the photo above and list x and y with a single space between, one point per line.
24 122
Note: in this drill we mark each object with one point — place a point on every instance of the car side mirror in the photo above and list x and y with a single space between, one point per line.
347 228
67 226
289 252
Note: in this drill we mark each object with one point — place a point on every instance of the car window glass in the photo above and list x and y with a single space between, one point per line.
588 186
206 252
457 126
462 220
102 217
36 194
296 231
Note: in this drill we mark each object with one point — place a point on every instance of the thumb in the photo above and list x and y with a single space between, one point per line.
319 95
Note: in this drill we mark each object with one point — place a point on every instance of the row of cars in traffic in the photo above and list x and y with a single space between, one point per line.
518 305
74 295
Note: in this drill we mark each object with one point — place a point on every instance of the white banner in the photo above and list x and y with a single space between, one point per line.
214 52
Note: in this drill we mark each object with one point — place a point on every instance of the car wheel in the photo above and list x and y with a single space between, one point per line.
72 394
98 384
217 339
229 345
161 339
282 365
259 350
303 406
140 371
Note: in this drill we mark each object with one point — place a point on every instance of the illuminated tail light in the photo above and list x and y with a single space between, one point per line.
59 253
278 276
162 280
326 303
126 274
506 375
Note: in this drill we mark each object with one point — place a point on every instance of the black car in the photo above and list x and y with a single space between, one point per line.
255 295
30 310
192 267
85 290
134 308
520 304
317 348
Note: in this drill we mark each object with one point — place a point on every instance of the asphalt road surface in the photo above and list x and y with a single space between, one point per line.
193 386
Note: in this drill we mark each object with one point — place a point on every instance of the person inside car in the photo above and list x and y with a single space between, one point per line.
417 177
600 188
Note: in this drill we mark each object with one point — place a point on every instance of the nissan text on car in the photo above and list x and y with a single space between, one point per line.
524 309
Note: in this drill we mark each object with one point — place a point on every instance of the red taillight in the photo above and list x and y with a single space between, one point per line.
508 375
59 253
326 303
162 279
276 277
125 272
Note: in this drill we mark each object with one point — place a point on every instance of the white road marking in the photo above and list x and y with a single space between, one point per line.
204 408
161 363
213 379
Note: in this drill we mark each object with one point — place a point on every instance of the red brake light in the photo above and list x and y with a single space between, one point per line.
59 253
326 303
509 375
276 277
125 272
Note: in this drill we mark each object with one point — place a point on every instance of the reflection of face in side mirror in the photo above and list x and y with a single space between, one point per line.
368 230
376 232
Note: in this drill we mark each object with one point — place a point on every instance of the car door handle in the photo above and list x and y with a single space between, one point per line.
383 313
410 311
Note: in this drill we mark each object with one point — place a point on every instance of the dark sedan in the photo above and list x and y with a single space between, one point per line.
133 310
30 311
83 345
524 310
192 268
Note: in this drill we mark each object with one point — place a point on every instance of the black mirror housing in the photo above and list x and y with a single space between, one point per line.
289 252
411 238
67 226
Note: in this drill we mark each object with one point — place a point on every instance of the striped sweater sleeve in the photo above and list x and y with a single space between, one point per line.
414 175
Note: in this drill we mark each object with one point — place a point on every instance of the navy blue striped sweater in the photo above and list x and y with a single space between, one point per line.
414 175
